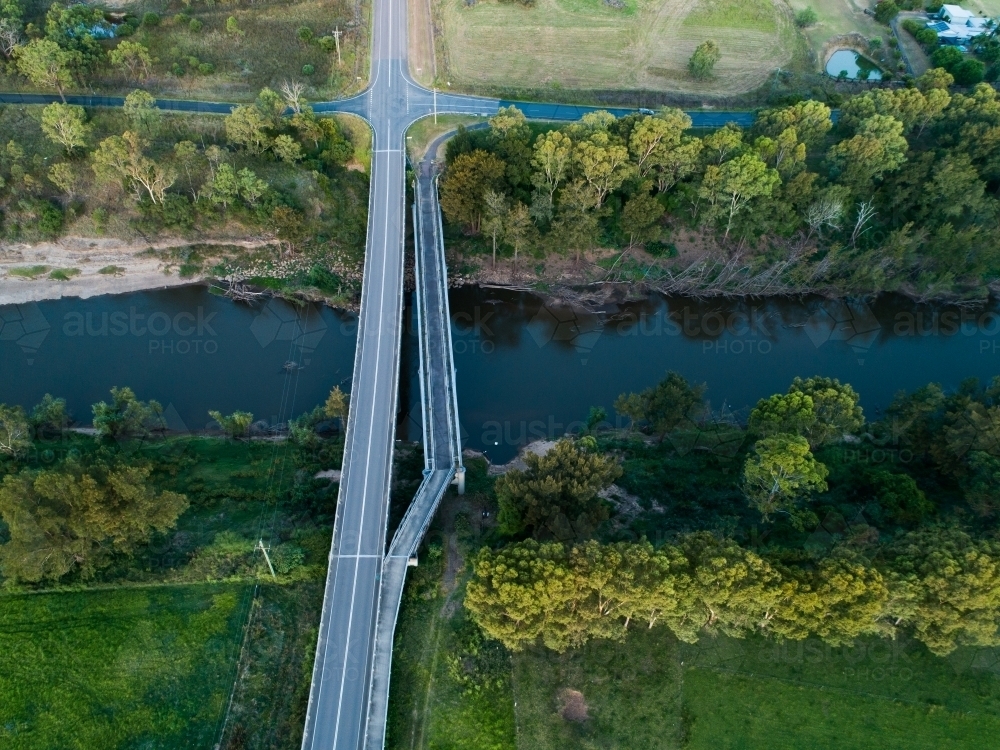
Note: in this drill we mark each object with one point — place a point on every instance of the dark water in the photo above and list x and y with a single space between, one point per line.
526 370
188 349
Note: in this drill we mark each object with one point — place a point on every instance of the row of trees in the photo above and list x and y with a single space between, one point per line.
894 194
938 583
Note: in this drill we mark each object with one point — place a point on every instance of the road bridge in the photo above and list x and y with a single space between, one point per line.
350 685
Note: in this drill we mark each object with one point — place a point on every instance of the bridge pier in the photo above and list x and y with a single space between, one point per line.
459 479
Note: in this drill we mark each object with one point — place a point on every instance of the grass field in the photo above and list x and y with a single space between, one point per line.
586 44
266 50
148 668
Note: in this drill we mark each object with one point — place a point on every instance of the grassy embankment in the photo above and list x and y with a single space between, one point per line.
195 57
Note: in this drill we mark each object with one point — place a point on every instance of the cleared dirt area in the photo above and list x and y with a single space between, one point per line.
588 44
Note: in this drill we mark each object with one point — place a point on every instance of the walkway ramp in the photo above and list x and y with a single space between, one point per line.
442 439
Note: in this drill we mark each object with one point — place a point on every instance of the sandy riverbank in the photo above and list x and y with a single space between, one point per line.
128 266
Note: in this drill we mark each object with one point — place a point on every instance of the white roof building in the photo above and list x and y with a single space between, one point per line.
958 25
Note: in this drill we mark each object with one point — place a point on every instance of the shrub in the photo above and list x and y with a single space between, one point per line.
50 219
947 58
805 18
100 219
305 34
196 25
151 19
927 37
969 72
181 18
124 30
912 26
206 69
177 69
327 44
308 70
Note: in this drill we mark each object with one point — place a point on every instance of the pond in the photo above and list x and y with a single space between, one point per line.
527 368
855 66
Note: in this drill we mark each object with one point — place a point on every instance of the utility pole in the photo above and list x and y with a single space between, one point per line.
336 38
262 548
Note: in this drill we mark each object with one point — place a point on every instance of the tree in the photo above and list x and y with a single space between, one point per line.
70 520
133 59
224 188
337 405
981 483
468 178
519 594
236 425
287 149
45 64
805 18
935 79
947 587
664 407
678 163
835 405
66 125
810 118
551 161
842 599
731 590
518 230
730 188
899 496
49 416
15 433
251 188
65 177
495 217
603 162
641 217
969 72
576 226
653 138
121 157
885 11
141 110
247 127
126 416
793 413
947 57
703 60
557 494
782 471
877 148
10 36
292 92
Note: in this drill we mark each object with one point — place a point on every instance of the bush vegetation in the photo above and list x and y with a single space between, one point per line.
139 171
897 196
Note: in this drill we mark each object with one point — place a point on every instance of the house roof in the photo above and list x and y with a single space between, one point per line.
955 12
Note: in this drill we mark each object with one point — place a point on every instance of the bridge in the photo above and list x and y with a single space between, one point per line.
348 697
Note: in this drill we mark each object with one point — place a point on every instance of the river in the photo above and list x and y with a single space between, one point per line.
527 369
